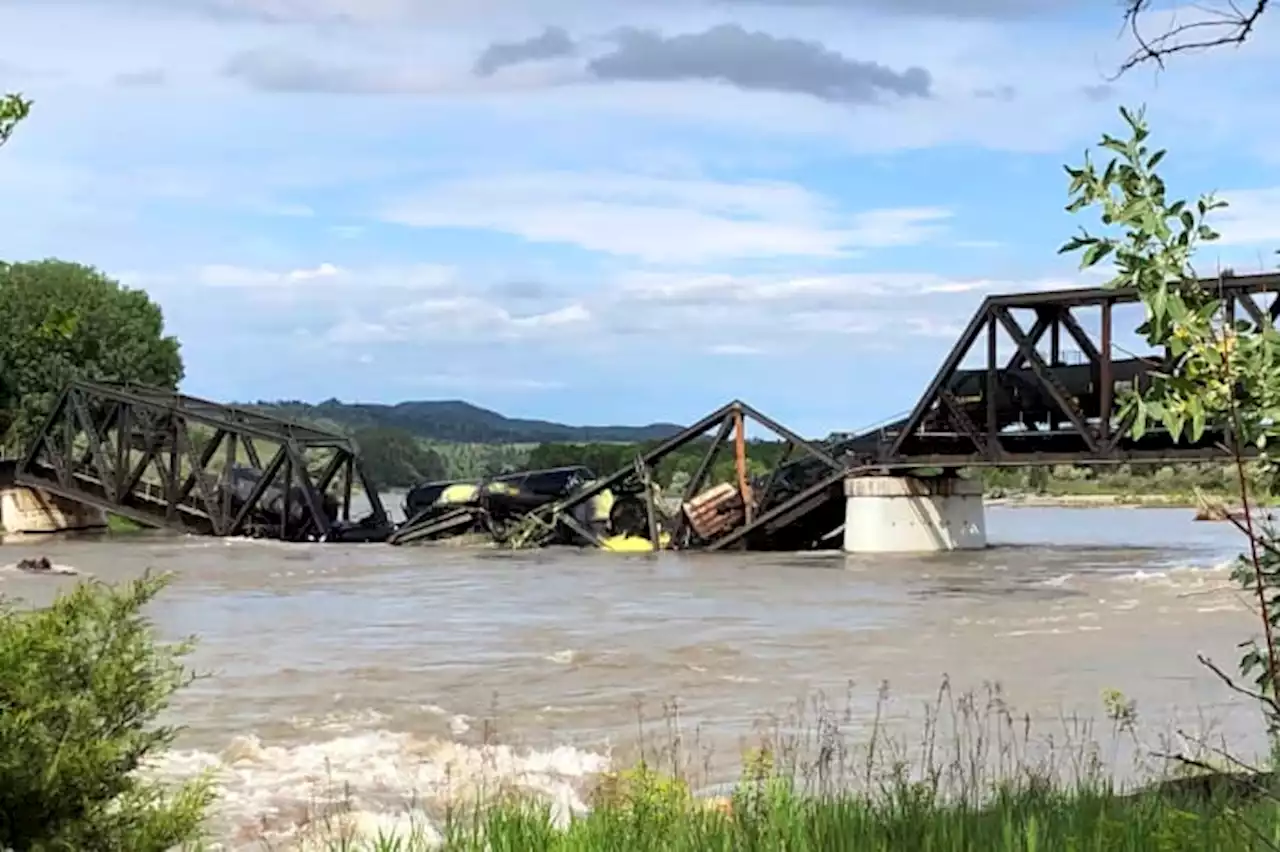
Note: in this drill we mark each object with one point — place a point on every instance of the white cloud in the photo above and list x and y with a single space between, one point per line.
664 220
765 312
456 316
357 331
327 275
767 291
1251 217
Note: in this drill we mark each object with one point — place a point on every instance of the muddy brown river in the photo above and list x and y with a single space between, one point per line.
386 668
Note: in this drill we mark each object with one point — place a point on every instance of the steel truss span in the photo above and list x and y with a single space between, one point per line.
1033 408
169 460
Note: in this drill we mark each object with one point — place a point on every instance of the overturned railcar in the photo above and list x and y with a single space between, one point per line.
435 510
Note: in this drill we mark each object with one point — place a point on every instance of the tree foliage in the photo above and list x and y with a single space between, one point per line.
14 108
393 458
82 684
63 321
1221 373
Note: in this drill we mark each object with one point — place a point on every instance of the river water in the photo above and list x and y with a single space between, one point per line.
386 669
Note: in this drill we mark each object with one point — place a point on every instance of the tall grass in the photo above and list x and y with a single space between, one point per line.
980 777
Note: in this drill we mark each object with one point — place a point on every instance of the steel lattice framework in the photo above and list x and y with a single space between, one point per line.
165 459
1036 409
769 511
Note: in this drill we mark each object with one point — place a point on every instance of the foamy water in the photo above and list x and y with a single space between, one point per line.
407 679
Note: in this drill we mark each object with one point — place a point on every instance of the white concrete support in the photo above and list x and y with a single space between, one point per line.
28 510
902 514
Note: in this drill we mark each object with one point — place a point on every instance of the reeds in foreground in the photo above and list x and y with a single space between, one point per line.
979 779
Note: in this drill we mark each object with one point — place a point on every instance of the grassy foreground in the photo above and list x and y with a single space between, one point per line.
770 815
974 784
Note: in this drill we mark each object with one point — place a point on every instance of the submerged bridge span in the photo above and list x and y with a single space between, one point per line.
1006 394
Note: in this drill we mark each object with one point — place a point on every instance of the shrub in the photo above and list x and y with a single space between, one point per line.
82 683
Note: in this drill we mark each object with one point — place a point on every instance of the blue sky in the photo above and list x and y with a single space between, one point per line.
595 212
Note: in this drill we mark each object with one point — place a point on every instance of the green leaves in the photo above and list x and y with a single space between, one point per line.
63 321
82 685
13 110
1221 374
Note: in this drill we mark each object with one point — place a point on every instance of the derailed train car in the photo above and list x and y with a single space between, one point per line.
443 509
268 511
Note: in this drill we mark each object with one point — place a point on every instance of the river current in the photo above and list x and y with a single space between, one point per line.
386 670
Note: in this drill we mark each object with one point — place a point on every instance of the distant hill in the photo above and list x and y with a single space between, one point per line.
456 421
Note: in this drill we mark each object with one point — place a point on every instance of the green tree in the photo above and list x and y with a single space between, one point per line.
82 684
14 108
396 459
1221 374
64 321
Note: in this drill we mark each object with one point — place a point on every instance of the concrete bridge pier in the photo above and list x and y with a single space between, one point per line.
29 510
904 514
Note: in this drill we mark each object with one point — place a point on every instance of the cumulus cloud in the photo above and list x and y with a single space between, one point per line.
681 307
663 220
764 311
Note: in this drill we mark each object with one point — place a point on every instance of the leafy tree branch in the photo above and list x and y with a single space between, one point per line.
14 108
1219 374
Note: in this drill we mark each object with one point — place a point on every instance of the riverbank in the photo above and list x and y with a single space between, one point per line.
977 782
1093 501
769 815
1132 501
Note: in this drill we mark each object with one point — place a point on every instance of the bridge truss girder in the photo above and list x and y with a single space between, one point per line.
766 514
165 459
948 427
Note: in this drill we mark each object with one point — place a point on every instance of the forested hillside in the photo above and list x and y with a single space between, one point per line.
455 421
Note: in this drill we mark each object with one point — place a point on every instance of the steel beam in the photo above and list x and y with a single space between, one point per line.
99 443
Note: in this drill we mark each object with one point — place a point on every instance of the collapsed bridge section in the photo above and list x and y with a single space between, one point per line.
164 459
796 503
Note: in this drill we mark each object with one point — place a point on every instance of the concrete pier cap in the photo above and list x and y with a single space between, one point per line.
907 514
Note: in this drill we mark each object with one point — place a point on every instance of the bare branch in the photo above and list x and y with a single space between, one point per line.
1224 23
1200 741
1235 687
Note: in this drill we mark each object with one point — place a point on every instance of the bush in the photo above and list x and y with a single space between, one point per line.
81 685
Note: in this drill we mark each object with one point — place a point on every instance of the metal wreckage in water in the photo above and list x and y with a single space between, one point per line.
198 467
796 505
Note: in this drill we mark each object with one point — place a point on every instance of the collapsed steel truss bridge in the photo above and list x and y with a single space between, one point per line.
164 459
169 460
